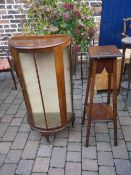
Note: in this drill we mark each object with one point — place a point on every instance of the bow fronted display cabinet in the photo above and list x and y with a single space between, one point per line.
43 66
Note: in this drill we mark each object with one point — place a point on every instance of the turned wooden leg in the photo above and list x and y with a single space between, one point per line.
46 136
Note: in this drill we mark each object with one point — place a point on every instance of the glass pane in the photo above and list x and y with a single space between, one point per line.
66 60
31 81
47 75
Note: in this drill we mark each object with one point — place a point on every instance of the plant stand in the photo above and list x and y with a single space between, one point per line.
100 58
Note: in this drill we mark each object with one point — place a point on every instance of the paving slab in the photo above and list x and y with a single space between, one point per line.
41 164
3 127
44 150
60 142
73 156
106 170
127 133
19 141
30 149
2 158
4 147
123 167
90 165
103 146
89 173
73 146
8 169
105 158
58 157
13 156
89 152
7 118
120 151
73 168
10 133
24 167
55 171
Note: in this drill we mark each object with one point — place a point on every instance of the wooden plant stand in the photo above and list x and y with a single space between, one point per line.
102 57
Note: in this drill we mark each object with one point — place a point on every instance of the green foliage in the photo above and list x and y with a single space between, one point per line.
55 17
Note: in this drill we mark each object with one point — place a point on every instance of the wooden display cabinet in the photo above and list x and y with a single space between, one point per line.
43 66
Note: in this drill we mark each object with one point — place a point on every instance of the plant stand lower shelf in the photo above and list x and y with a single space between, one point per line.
101 111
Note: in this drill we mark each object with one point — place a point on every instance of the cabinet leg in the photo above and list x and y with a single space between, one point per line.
46 135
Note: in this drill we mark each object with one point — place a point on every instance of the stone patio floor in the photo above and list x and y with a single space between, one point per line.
24 151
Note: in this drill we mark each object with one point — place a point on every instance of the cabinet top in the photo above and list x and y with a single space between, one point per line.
98 52
39 42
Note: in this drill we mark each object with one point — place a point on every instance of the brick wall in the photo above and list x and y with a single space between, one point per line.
10 18
10 15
